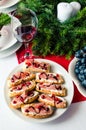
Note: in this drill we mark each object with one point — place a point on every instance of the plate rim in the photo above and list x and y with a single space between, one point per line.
7 52
45 119
74 78
13 40
9 5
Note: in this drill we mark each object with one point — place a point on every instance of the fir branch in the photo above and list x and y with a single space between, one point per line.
54 37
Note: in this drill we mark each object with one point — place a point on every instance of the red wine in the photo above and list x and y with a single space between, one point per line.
25 33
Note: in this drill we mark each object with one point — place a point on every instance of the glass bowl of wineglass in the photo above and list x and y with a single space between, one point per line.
26 31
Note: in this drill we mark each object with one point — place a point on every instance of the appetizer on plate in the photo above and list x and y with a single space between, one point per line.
51 88
20 77
20 88
53 100
38 92
26 97
36 66
37 110
49 77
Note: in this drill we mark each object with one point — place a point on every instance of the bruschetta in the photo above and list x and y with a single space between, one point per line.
49 77
53 100
26 97
51 88
37 110
19 77
36 66
20 88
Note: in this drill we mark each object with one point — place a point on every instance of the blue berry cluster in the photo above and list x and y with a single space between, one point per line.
80 66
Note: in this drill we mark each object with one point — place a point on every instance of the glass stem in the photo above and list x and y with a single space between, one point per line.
26 47
27 51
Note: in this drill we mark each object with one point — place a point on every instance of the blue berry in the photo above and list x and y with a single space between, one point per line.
76 71
81 71
84 55
81 77
79 54
83 60
84 49
78 63
84 71
80 66
84 83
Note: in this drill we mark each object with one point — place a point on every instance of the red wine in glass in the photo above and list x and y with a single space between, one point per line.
26 31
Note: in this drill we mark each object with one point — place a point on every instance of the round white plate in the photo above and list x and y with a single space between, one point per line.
8 4
68 84
10 51
74 78
9 40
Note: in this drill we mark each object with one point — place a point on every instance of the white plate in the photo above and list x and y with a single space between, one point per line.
68 84
10 51
9 40
9 10
8 4
74 78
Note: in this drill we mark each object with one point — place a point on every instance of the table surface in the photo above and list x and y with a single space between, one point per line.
73 118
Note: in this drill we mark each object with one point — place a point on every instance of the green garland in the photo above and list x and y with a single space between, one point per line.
4 19
54 37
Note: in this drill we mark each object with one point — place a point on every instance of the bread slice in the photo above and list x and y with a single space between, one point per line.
19 77
37 110
26 97
49 77
20 88
51 88
53 100
35 66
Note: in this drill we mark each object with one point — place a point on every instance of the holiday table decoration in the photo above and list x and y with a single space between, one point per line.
54 37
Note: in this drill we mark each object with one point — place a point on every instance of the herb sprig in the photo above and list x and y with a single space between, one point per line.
4 19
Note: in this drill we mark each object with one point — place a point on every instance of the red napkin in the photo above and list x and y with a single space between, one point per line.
60 60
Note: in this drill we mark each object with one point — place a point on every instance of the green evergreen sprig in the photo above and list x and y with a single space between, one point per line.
54 37
4 19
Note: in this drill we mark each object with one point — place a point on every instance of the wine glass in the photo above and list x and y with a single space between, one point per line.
26 30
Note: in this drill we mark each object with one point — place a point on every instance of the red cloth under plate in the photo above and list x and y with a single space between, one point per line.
60 60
